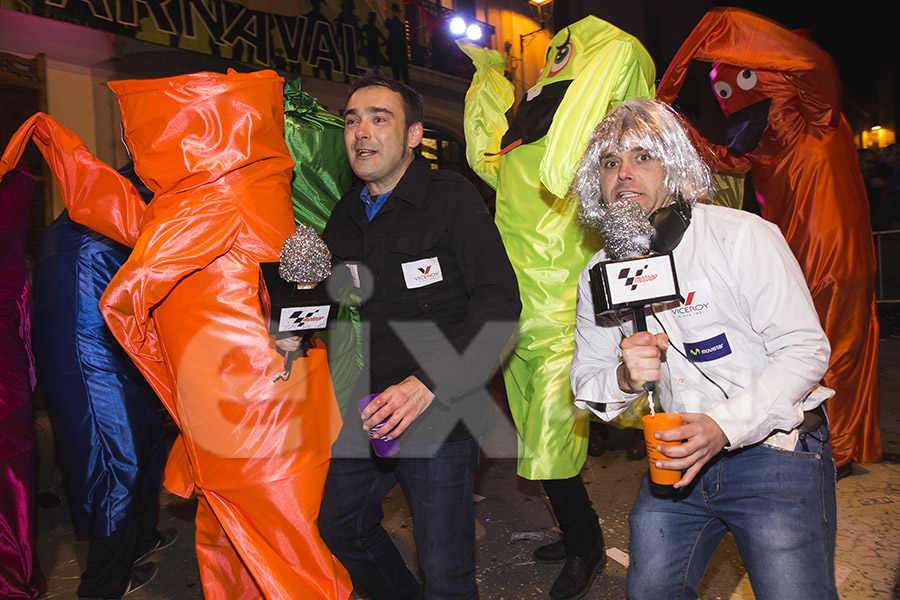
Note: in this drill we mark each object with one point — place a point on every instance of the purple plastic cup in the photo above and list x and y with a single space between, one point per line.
382 447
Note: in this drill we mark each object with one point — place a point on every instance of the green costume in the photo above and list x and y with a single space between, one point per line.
315 139
591 66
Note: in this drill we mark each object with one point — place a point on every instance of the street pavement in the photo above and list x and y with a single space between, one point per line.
512 513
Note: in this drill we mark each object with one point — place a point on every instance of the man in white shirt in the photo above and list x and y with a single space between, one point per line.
740 359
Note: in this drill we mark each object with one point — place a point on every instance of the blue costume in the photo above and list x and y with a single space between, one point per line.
104 413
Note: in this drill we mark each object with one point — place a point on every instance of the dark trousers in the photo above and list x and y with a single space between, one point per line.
574 513
110 558
438 491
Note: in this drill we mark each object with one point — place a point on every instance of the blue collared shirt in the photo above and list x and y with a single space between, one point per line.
373 206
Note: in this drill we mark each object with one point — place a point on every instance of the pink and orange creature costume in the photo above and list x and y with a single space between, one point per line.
782 96
185 308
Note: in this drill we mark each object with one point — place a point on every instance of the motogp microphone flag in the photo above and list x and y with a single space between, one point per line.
634 283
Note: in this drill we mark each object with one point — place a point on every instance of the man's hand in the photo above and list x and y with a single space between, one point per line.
704 438
402 403
288 344
642 355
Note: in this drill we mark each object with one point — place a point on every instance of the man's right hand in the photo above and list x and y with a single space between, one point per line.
642 356
288 344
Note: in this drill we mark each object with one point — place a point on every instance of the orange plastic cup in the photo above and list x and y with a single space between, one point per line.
652 424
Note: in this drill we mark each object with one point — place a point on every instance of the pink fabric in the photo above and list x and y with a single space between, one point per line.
20 575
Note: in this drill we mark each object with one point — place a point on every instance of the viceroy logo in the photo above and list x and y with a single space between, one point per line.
427 276
638 277
707 350
690 308
419 273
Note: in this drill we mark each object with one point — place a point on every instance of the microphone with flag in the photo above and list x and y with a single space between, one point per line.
634 278
292 301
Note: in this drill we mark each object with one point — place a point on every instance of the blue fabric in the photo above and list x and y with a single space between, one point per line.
109 433
372 207
779 504
438 491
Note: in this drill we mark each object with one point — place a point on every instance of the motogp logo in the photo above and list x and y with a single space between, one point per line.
305 317
637 278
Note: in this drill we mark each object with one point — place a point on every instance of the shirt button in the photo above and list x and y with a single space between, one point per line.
426 307
680 380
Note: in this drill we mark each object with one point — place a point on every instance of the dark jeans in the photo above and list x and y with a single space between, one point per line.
779 504
438 491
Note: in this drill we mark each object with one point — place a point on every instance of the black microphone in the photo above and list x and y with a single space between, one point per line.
634 279
292 302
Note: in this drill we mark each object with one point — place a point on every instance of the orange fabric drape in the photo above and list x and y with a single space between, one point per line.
807 178
185 307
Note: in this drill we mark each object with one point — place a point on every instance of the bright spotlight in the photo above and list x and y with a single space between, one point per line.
473 32
457 26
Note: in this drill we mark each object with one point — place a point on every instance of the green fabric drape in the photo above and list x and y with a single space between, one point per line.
315 139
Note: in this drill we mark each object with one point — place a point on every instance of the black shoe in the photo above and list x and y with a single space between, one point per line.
554 552
596 445
637 449
578 574
597 434
167 537
845 470
141 575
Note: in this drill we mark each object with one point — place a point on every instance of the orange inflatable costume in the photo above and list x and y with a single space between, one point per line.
781 94
184 306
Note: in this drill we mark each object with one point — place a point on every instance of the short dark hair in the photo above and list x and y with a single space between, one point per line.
413 106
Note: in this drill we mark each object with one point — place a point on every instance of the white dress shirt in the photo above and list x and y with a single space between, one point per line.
747 322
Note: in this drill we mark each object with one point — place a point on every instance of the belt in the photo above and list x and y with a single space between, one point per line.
812 420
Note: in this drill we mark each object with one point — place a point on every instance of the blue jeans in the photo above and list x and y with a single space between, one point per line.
780 505
438 491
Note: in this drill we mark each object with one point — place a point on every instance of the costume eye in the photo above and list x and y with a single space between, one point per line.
746 79
723 90
563 53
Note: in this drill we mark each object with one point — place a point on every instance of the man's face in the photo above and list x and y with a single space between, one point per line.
634 174
891 156
379 145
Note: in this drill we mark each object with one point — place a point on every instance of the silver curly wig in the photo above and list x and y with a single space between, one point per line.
656 128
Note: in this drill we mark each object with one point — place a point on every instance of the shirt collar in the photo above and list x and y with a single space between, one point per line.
413 186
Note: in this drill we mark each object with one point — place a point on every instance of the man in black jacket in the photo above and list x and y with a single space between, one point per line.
440 302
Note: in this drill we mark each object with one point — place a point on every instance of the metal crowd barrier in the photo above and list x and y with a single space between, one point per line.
879 265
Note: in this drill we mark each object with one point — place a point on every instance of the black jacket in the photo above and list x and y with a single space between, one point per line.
435 232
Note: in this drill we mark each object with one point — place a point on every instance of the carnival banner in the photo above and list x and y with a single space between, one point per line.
322 40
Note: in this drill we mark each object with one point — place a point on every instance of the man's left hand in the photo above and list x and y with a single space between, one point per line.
704 438
403 403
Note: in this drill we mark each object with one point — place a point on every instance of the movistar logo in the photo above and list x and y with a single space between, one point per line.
706 350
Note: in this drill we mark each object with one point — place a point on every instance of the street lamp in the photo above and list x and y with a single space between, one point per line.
542 9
